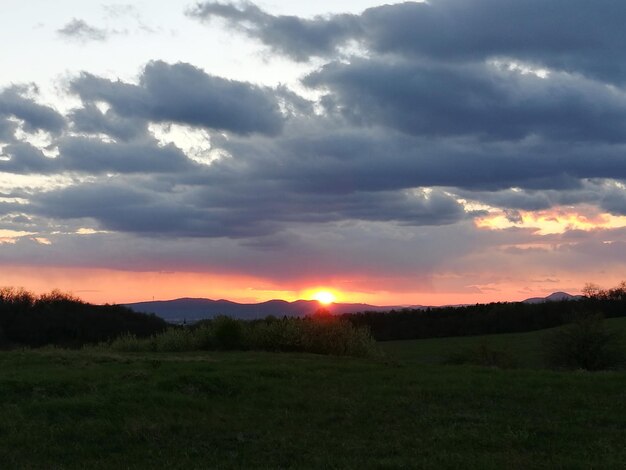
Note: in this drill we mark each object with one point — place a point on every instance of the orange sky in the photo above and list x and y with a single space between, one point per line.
109 286
489 275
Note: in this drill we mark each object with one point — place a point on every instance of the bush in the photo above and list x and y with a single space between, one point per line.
174 340
129 343
314 335
318 335
228 333
482 355
584 344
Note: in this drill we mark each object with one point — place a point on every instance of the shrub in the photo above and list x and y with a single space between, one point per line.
204 337
276 335
174 340
585 343
319 335
315 335
228 333
130 343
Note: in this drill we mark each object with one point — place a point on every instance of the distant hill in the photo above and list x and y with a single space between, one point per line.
192 310
555 297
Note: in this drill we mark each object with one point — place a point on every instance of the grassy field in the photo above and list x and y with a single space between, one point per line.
98 409
525 348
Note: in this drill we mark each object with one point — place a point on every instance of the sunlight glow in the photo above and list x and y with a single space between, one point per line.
324 297
554 221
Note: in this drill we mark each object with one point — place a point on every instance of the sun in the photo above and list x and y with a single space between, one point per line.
324 297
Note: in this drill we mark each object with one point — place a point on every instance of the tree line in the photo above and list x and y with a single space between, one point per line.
61 319
492 318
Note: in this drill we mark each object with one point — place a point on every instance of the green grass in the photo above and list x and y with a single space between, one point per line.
98 409
526 348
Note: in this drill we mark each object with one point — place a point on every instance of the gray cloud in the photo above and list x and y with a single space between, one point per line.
598 192
573 36
376 159
614 200
295 37
90 120
423 119
185 94
246 210
91 155
15 102
476 99
568 35
24 158
7 130
80 30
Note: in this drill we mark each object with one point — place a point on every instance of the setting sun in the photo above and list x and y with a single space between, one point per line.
324 297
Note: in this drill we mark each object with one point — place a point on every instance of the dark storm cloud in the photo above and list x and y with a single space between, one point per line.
247 210
25 159
371 160
614 200
570 35
80 30
116 205
477 99
295 37
14 101
91 155
90 120
398 137
599 192
185 94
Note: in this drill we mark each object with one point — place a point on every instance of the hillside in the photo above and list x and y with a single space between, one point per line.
270 410
554 297
190 310
525 348
194 309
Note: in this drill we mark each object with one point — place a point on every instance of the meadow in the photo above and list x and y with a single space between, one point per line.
99 408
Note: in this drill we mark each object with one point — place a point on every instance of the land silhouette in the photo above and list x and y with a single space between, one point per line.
104 387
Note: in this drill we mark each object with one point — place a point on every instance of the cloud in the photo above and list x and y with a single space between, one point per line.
295 37
91 120
16 102
444 115
574 36
24 158
81 31
250 209
91 155
482 100
342 160
7 130
182 93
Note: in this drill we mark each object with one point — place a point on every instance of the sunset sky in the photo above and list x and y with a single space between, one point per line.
454 151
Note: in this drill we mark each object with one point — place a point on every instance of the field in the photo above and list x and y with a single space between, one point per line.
98 409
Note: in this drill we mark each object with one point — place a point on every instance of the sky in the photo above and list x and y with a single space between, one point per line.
451 151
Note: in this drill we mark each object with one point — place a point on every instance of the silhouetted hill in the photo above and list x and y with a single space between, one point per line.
200 309
554 297
191 309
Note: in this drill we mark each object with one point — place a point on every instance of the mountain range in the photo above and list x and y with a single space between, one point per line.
191 310
554 297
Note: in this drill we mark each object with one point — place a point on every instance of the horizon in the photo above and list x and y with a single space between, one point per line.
329 304
405 153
